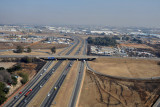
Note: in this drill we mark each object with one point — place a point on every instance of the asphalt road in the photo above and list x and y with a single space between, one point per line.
49 99
74 96
35 79
37 87
29 85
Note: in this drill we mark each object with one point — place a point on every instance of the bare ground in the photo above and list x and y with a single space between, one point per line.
7 64
101 91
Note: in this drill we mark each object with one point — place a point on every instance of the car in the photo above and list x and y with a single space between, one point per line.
40 86
45 69
15 97
25 100
48 94
55 88
40 74
20 92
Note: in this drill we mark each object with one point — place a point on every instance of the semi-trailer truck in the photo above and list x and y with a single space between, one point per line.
28 92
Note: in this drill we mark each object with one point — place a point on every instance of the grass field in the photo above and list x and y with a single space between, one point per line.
138 68
101 91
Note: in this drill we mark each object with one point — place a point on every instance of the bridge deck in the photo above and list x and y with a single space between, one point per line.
51 56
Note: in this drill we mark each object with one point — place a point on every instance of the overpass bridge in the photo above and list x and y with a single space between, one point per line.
53 57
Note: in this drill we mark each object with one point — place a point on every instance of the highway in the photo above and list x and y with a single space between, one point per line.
29 85
73 100
14 101
49 99
37 87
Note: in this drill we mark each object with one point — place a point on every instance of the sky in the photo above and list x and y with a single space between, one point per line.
81 12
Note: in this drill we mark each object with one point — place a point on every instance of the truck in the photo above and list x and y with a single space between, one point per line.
28 92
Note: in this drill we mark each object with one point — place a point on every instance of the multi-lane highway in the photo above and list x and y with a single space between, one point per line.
78 82
37 83
29 85
42 81
49 99
37 87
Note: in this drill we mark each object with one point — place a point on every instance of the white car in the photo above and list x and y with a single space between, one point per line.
40 86
48 94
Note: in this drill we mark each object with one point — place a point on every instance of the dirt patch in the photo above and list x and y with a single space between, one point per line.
7 64
101 91
48 46
124 67
14 88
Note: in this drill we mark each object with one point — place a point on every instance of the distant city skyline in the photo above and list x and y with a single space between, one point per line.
81 12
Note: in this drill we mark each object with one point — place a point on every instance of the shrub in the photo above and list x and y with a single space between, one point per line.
24 77
26 59
14 68
2 68
14 80
2 93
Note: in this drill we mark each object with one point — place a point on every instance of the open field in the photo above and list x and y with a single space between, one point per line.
138 68
34 52
7 64
133 45
101 91
38 45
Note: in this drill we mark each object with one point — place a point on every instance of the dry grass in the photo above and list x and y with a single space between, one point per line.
126 67
28 68
100 91
66 89
134 45
34 52
38 99
7 64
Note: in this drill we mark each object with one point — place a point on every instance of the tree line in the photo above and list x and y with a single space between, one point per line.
103 41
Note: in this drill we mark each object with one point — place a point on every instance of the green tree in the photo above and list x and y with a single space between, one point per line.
24 76
2 68
29 50
53 49
19 49
14 80
2 93
26 59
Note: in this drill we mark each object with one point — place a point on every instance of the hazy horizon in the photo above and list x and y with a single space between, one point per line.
82 12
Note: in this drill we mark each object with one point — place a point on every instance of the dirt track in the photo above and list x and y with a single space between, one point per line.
100 91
